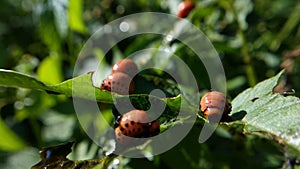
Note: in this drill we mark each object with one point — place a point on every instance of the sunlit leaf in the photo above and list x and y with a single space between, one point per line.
49 70
270 113
48 31
75 16
9 141
87 90
11 78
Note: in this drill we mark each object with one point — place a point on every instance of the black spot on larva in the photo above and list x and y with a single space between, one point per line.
126 125
132 122
129 132
122 129
133 130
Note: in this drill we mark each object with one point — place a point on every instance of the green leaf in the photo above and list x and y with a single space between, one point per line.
83 88
9 141
75 16
270 113
11 78
48 31
49 70
262 89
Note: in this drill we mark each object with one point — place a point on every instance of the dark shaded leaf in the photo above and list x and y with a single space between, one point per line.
55 158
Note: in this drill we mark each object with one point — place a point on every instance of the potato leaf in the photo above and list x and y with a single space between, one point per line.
270 113
11 78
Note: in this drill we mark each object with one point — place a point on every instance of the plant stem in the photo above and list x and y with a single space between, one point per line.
252 80
251 76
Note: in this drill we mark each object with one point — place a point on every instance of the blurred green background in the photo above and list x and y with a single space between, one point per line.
255 40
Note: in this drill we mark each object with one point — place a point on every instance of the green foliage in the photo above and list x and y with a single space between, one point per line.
9 140
75 16
54 76
87 90
269 113
260 104
39 44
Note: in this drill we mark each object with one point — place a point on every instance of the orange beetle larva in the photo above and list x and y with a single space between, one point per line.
126 66
118 82
184 8
137 124
121 78
214 106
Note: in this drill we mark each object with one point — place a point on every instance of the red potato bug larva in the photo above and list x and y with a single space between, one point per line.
126 66
118 82
184 8
137 124
212 103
